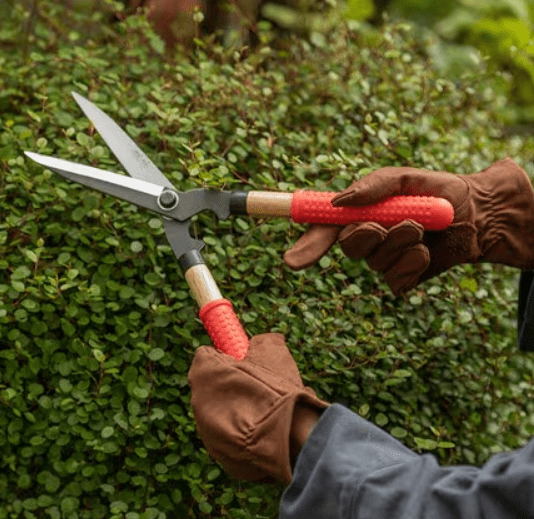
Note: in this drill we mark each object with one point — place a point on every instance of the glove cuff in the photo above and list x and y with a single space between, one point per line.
272 452
504 214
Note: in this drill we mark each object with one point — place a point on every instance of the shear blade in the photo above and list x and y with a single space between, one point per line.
134 161
138 192
139 166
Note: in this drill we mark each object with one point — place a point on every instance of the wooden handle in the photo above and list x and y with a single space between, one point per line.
216 313
267 203
202 285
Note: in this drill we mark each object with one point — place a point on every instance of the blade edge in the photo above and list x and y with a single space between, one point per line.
132 158
133 190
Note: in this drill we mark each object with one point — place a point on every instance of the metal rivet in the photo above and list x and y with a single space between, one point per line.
168 200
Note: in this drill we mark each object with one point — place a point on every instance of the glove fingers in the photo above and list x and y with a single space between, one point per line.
268 362
407 272
360 240
311 246
399 252
400 238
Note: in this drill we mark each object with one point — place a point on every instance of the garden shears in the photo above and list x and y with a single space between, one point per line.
148 187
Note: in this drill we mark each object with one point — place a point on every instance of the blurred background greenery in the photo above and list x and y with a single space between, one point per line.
463 33
500 32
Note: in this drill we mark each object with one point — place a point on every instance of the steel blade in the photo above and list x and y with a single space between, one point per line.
134 161
138 192
139 166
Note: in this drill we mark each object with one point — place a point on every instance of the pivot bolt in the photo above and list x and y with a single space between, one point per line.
168 200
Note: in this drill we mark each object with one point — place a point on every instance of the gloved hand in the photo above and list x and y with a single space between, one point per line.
253 415
494 222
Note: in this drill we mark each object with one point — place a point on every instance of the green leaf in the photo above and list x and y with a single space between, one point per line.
18 286
45 501
52 483
37 440
136 246
69 504
359 10
157 414
107 432
205 507
126 292
63 258
156 354
121 420
82 139
65 385
141 452
33 115
325 262
141 392
99 356
118 507
214 473
242 224
416 300
8 394
31 255
38 328
133 407
399 432
381 419
426 444
21 272
402 373
152 279
469 284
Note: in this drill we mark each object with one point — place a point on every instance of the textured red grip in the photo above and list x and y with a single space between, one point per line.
224 328
434 214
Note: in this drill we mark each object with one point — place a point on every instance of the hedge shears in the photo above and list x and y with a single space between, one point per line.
148 187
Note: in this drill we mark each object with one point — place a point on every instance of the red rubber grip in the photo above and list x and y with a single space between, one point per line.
434 214
224 328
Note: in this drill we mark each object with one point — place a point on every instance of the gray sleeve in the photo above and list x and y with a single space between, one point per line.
525 312
351 469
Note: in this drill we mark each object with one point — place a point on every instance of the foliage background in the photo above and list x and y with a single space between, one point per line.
97 328
464 32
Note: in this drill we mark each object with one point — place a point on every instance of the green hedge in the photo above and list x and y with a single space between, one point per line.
499 32
97 327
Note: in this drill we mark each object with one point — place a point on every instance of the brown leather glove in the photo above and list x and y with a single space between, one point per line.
253 415
494 222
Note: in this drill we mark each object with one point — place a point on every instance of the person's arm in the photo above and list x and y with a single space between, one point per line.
525 312
305 418
351 469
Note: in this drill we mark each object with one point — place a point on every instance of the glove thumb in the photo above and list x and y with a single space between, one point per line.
373 188
312 246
